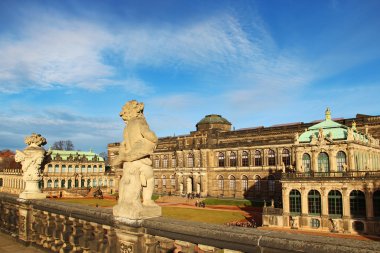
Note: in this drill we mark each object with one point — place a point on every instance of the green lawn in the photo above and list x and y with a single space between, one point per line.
201 215
179 213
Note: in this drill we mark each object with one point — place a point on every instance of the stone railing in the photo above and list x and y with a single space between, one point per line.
332 175
62 227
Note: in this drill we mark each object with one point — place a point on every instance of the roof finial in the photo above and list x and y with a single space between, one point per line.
328 114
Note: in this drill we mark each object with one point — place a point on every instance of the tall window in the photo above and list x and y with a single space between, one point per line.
357 204
323 162
257 184
306 162
220 183
56 169
174 161
165 162
221 159
70 168
49 183
164 181
286 157
156 162
258 158
56 183
233 159
77 169
63 169
244 183
172 181
83 169
232 183
295 202
340 160
271 158
50 168
95 169
335 203
155 182
244 159
271 183
190 160
376 203
100 168
314 202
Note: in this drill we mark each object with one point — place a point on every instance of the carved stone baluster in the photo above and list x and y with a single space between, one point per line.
76 236
49 230
151 244
38 228
57 235
164 244
112 240
66 236
185 247
99 237
88 237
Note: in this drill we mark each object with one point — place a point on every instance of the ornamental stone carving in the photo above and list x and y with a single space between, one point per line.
32 159
137 146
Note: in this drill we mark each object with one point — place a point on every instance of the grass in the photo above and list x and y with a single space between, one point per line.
233 202
201 215
178 213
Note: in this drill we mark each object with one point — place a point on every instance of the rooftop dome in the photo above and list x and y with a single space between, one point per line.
213 121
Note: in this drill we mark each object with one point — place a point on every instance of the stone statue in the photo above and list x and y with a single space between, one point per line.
321 136
32 160
134 157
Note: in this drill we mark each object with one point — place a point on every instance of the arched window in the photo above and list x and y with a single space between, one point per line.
258 158
271 157
50 168
271 183
69 184
100 182
111 183
165 162
221 159
295 202
94 183
323 162
357 204
174 161
63 169
340 160
232 183
306 162
63 182
190 160
70 168
220 183
77 169
83 168
100 168
164 181
244 183
56 169
172 181
49 183
376 203
233 159
244 159
56 183
156 162
1 182
89 169
257 184
82 182
335 203
286 157
314 202
95 169
155 181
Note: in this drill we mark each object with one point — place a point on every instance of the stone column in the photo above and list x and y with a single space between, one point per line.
369 211
346 209
324 208
304 207
299 160
351 158
332 161
285 206
314 160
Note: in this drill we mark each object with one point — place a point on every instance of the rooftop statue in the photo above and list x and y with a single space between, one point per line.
32 159
138 144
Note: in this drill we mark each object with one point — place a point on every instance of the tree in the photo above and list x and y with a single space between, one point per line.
63 145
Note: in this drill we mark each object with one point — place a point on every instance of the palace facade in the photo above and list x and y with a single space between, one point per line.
67 172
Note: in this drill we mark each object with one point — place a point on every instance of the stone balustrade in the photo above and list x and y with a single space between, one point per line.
63 227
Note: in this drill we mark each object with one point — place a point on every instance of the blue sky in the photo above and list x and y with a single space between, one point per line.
67 67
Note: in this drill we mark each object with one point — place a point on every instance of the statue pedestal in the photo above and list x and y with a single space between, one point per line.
32 191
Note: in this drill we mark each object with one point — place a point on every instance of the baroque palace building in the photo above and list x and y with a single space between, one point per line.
247 163
67 172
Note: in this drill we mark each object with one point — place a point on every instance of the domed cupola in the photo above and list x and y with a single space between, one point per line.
213 121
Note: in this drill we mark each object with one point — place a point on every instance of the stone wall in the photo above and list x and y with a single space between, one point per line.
63 227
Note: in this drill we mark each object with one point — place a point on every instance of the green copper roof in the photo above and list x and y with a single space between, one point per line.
64 154
331 130
213 119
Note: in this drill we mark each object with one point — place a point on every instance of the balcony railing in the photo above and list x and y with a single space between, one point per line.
324 175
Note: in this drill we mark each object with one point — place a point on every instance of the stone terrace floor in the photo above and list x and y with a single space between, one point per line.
9 245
